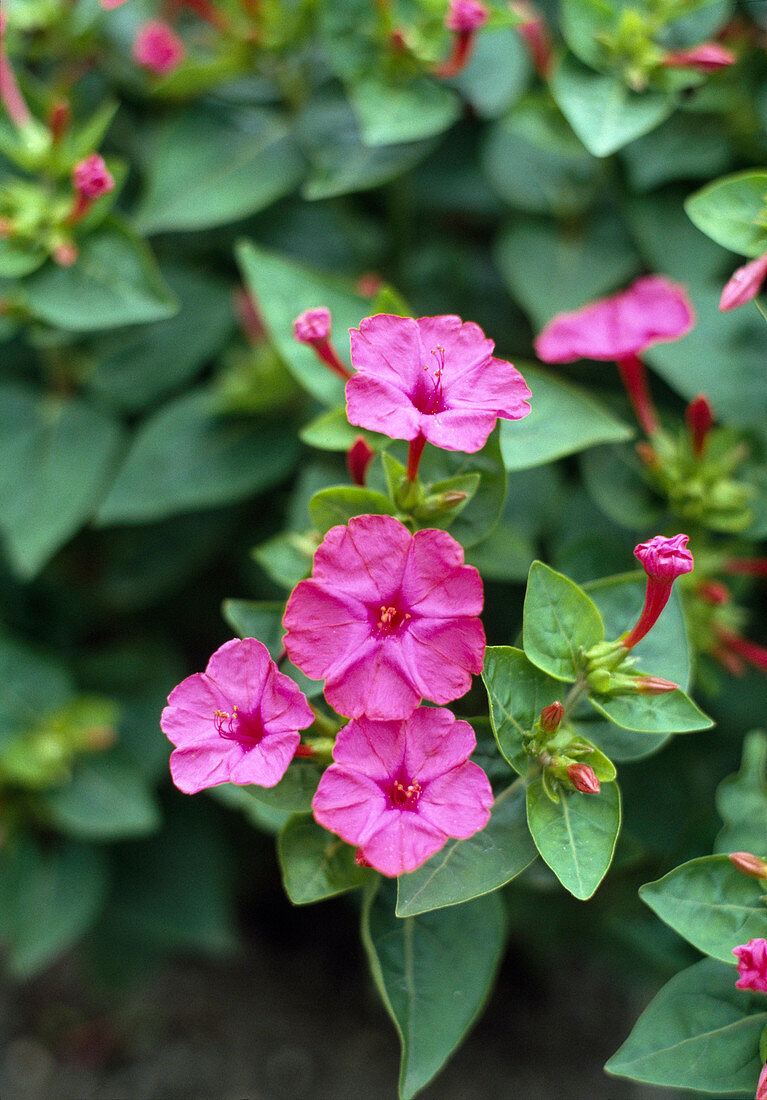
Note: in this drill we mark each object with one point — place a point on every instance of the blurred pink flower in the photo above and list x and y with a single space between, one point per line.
312 326
744 284
465 16
663 561
434 378
708 57
92 178
236 722
387 619
752 965
158 48
109 4
399 790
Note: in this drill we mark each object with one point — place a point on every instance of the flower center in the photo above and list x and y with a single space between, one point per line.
429 398
405 798
235 726
388 620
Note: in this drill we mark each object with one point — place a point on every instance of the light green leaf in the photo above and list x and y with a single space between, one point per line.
106 799
733 212
517 692
577 835
338 504
560 622
434 973
294 792
672 712
315 864
741 801
331 431
391 113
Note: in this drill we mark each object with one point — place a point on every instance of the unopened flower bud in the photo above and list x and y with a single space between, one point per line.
91 177
700 420
599 680
369 284
465 16
752 965
551 717
304 752
761 1087
663 560
749 864
358 458
713 592
744 284
158 48
654 685
708 57
59 120
312 326
583 778
647 454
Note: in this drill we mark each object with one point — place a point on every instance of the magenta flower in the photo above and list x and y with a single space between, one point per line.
432 379
663 561
236 722
752 965
744 284
652 310
708 57
399 790
158 48
465 16
313 327
387 619
92 178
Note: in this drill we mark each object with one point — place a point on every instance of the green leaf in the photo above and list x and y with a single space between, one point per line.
613 478
685 147
517 692
186 457
338 504
48 900
699 1032
315 864
605 114
207 167
294 792
502 53
553 267
741 801
733 212
106 799
577 835
391 113
32 685
283 289
434 973
560 621
563 419
467 869
673 712
286 558
56 455
115 281
709 902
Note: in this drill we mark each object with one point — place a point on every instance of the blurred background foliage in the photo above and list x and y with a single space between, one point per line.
158 422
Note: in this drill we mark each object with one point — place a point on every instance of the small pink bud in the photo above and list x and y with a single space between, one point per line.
358 458
91 177
65 254
761 1088
247 314
749 864
369 284
708 57
466 16
735 644
312 326
158 48
713 592
752 965
551 717
744 284
304 752
665 559
583 778
700 420
654 685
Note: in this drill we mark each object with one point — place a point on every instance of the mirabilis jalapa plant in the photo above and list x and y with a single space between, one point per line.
389 622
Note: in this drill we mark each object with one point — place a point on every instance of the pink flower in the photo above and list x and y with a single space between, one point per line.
387 619
651 311
663 561
92 178
434 378
236 722
745 283
312 326
109 4
465 16
752 965
708 57
400 789
158 48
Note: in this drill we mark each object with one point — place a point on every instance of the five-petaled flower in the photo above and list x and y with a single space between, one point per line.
399 790
236 722
387 619
752 965
432 379
663 561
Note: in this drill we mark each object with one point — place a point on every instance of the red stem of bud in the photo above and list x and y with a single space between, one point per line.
463 44
754 654
10 93
80 208
656 597
329 356
634 377
415 450
750 567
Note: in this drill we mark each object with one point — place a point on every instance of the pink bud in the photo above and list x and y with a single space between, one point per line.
158 48
665 559
749 864
551 717
752 965
109 4
700 420
369 284
761 1088
466 16
92 178
312 326
246 311
65 254
654 685
708 57
713 592
732 643
59 120
583 778
358 458
304 752
744 284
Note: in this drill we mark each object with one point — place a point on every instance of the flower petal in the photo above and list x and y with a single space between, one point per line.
458 802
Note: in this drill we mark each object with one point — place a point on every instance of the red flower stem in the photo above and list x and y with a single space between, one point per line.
330 358
750 567
656 597
463 44
414 453
10 93
80 208
634 377
206 11
756 655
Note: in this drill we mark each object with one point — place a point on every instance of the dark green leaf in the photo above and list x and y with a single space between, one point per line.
517 692
294 792
337 505
741 801
106 799
315 864
331 431
673 712
392 113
